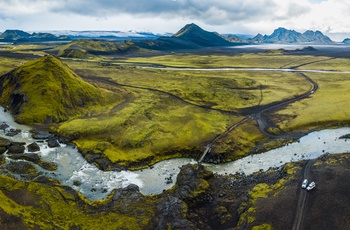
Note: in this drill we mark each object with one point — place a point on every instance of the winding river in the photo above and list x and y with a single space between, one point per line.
96 184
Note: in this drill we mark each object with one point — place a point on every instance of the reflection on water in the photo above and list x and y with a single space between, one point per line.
73 170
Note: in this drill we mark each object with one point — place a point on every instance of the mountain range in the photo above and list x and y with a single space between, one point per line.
284 36
191 36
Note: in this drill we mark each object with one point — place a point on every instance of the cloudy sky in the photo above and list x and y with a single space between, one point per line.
160 16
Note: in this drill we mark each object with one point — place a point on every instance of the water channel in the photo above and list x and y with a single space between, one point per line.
96 184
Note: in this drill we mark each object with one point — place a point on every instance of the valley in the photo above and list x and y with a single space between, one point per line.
128 107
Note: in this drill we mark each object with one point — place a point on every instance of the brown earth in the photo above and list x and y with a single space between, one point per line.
326 207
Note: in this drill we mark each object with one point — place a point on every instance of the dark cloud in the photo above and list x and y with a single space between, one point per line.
208 11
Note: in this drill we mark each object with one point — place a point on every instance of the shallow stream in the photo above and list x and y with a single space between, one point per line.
74 171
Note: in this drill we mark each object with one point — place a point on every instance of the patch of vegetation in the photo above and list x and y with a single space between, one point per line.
327 107
32 205
250 210
150 125
260 60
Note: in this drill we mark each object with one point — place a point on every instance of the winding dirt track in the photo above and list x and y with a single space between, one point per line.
299 214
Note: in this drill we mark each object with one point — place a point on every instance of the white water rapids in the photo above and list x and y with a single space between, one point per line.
96 184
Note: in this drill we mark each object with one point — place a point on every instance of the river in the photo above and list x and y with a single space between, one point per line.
96 184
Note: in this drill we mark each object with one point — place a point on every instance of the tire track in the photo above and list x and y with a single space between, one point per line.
299 214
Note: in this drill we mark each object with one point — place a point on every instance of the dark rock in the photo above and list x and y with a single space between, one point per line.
33 147
346 136
76 183
3 150
53 143
4 126
171 214
13 132
45 180
21 167
32 157
41 135
4 142
16 148
191 181
50 166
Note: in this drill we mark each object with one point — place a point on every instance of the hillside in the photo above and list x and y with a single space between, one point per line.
47 90
86 48
195 34
284 36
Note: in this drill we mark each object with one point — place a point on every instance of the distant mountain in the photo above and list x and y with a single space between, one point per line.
112 35
190 36
317 37
284 36
13 35
47 90
21 36
346 41
198 36
237 37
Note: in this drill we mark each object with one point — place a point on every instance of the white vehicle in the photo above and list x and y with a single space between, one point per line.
304 184
311 186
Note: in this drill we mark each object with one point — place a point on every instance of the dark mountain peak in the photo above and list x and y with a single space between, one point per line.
346 41
258 38
195 34
14 35
188 29
282 31
317 37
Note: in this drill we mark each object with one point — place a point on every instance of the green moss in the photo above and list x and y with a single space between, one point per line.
262 227
46 207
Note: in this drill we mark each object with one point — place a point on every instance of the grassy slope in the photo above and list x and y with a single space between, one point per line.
53 92
89 48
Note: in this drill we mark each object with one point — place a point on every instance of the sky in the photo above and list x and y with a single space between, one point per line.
168 16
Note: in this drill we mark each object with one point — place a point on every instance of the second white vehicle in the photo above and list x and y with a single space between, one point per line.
311 186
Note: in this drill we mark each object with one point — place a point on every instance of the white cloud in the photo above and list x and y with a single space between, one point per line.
234 16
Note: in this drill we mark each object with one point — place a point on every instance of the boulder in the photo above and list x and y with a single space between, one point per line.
53 143
33 147
13 132
16 148
4 142
4 126
41 135
32 157
21 167
171 214
3 150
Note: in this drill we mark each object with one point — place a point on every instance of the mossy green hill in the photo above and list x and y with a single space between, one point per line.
47 90
88 48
